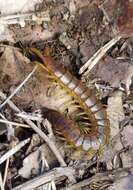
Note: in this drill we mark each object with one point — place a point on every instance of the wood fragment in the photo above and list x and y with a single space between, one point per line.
97 56
54 174
6 171
13 123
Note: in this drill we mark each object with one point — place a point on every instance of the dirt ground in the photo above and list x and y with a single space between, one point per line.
93 40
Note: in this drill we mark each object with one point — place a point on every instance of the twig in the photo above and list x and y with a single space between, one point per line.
97 56
1 182
14 123
48 125
15 149
30 117
53 185
37 130
6 171
19 87
54 174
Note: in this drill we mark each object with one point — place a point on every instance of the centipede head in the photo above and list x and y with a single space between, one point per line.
44 58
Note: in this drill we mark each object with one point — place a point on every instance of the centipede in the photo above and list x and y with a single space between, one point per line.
90 129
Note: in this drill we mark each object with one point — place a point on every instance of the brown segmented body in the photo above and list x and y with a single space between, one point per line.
91 111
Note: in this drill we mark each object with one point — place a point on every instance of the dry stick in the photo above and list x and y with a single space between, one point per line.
15 149
53 185
6 171
98 55
14 123
7 161
54 174
30 117
37 130
19 87
1 182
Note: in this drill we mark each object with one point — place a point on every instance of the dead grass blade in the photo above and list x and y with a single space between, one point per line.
97 56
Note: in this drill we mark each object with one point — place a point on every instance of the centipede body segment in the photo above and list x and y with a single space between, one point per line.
91 128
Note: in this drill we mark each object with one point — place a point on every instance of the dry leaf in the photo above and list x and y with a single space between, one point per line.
125 21
127 136
120 13
113 71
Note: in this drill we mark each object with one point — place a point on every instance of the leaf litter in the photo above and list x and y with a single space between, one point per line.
30 153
